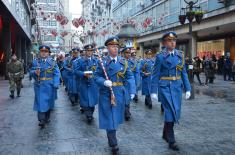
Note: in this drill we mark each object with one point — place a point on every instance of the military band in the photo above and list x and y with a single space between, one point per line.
111 81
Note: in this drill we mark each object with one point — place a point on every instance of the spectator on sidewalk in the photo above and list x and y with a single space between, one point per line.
227 69
209 71
196 68
220 65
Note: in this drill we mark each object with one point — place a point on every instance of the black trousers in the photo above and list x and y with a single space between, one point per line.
127 110
44 116
148 100
112 138
227 73
198 77
73 98
88 111
168 132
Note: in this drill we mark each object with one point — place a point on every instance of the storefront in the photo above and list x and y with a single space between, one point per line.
208 48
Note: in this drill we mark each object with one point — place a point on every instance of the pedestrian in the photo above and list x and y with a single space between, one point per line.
47 80
126 53
227 69
113 95
196 68
169 73
146 72
15 72
220 65
209 70
89 93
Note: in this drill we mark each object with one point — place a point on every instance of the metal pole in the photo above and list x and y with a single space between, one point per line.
190 72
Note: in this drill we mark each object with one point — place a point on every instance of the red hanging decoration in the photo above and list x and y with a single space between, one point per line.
64 20
54 33
75 22
59 17
82 21
64 33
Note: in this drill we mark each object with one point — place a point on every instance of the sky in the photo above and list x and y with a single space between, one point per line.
75 7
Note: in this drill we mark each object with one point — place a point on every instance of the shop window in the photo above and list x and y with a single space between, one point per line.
208 48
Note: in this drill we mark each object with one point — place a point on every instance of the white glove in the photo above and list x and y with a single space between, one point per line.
108 83
187 95
154 96
132 96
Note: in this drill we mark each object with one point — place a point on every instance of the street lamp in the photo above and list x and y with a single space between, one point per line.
191 12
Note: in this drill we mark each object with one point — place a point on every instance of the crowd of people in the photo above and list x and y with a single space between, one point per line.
211 66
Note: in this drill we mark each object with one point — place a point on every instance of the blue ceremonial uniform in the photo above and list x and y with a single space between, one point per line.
146 67
46 84
89 91
111 116
134 66
170 92
66 72
168 76
72 80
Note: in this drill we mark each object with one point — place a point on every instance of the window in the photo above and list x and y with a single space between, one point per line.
53 23
51 1
45 23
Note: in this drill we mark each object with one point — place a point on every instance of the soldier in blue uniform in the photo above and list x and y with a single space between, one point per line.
72 80
47 80
65 73
134 65
145 72
169 74
118 72
126 53
85 69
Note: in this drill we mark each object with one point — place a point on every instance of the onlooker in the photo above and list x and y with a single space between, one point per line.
227 69
209 70
196 68
220 65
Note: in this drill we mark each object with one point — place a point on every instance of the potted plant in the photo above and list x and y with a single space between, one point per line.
190 15
199 16
182 19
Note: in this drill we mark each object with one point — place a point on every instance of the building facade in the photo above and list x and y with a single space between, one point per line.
96 11
48 28
15 31
214 35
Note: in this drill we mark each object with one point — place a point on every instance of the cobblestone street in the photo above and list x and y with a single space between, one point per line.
206 126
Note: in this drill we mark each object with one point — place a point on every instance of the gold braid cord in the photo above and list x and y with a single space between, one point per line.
122 74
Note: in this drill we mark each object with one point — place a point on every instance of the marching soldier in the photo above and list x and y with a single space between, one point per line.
15 71
85 69
146 71
126 53
169 73
47 80
113 95
72 80
134 65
